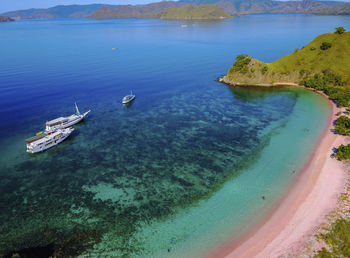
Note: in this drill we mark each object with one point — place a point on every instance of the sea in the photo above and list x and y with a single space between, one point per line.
186 166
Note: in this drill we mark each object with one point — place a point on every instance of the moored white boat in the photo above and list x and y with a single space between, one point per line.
64 122
44 141
128 98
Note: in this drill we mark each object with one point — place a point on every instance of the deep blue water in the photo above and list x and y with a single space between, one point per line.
125 167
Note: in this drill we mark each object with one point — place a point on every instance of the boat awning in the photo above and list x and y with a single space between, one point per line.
36 137
56 121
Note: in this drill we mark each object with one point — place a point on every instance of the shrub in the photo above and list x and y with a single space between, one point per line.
264 69
340 96
302 72
315 82
332 78
241 64
326 82
342 125
312 48
339 30
325 45
338 237
343 152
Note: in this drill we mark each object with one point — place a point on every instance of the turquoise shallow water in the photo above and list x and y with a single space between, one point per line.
188 160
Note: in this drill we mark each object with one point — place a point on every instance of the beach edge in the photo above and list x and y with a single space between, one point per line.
305 206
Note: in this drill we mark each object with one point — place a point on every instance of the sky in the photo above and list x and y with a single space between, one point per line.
12 5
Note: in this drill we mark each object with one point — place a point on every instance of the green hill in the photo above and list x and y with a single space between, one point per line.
239 7
313 59
295 67
323 64
133 11
191 12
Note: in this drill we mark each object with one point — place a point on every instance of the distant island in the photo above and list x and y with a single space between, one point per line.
5 19
163 10
241 7
133 11
60 11
231 7
193 12
342 9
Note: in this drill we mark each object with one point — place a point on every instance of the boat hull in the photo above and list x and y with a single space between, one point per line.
128 101
72 121
61 136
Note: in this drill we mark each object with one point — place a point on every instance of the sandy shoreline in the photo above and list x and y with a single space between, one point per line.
304 208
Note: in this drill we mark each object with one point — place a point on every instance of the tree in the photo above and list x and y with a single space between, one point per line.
342 125
339 30
326 45
343 152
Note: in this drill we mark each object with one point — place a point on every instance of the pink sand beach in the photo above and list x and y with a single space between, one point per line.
304 208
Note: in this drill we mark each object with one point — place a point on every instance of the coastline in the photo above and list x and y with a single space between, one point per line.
305 206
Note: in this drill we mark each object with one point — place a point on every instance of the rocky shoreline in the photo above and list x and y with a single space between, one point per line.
229 82
5 19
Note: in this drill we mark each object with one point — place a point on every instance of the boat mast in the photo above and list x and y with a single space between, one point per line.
76 107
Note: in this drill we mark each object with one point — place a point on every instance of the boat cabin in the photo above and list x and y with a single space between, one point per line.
57 121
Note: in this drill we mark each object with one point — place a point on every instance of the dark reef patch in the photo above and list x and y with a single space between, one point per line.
149 167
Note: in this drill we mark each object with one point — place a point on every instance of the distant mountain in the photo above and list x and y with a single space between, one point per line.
193 12
60 11
234 7
5 19
133 11
266 6
343 9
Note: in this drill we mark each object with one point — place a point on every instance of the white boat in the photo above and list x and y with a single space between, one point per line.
44 141
64 122
128 98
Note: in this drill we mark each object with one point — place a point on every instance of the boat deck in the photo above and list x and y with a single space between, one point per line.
36 137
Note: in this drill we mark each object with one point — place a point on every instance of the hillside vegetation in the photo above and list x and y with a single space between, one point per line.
133 11
192 12
312 58
239 7
343 9
233 7
322 63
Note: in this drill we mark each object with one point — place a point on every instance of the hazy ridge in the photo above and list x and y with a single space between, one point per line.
232 7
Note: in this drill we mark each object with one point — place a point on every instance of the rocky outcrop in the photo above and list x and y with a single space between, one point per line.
5 19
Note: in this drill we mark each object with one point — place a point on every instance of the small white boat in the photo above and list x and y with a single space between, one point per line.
128 98
44 141
64 122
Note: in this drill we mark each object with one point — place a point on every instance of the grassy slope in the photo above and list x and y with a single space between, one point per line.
336 58
191 12
287 69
